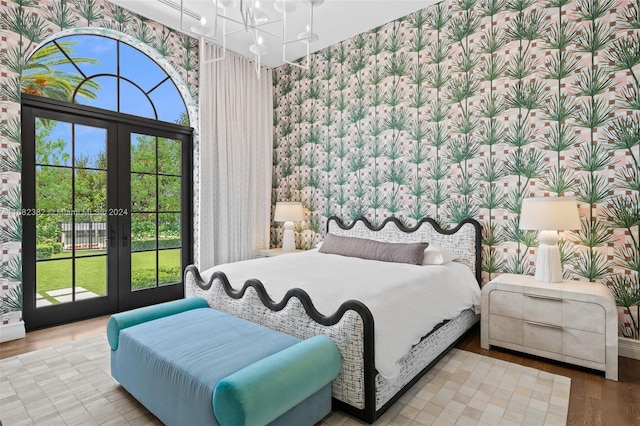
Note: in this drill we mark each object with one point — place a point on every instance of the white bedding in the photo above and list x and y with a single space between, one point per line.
406 301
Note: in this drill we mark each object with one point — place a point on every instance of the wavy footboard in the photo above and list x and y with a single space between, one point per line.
351 328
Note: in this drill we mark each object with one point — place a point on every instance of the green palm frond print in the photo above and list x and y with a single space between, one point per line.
465 108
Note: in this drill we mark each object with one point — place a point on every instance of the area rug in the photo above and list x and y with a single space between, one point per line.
70 384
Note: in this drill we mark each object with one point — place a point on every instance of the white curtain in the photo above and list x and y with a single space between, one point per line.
236 133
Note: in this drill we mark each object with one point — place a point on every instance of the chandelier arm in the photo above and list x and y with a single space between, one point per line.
181 15
224 45
285 42
286 61
215 24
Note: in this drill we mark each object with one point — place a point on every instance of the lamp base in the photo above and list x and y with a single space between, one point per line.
548 264
288 239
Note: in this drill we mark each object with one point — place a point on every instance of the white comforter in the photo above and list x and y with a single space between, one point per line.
406 301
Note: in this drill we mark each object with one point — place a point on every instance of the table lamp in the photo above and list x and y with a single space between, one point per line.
288 212
548 215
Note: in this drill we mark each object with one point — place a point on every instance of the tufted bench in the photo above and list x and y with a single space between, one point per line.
192 365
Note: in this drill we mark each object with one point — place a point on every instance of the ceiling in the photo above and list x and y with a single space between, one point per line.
334 21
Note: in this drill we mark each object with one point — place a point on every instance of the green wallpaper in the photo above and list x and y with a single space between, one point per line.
462 110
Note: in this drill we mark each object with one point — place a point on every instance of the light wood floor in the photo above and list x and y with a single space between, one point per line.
594 400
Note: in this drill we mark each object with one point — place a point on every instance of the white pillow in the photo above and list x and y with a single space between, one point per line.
437 256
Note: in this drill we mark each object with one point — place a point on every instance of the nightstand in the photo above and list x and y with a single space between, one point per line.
572 321
274 252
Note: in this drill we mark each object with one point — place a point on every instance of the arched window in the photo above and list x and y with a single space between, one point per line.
105 73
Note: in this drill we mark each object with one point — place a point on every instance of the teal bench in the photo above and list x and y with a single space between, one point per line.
192 365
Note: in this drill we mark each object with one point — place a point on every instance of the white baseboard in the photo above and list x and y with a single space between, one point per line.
12 331
628 348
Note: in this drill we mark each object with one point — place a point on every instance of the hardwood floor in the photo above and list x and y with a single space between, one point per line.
594 400
54 336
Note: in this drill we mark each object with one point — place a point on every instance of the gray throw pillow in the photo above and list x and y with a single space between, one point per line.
412 253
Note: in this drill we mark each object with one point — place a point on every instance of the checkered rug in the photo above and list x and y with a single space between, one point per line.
70 384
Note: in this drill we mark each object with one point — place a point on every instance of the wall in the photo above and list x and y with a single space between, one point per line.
25 25
462 110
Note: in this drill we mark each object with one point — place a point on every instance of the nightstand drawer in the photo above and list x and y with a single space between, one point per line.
584 345
543 309
505 329
583 316
506 303
542 336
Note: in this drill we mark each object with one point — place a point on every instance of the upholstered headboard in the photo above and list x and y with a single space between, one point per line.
465 239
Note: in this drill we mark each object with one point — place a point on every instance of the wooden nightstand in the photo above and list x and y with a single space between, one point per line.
274 252
572 321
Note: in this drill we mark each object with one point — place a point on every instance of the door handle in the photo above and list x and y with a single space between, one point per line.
125 238
112 236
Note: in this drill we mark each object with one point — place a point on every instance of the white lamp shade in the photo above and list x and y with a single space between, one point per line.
550 213
289 211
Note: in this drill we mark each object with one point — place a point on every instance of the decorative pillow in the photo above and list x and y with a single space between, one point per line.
374 250
438 256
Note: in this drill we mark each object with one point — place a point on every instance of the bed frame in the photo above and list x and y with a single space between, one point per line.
358 389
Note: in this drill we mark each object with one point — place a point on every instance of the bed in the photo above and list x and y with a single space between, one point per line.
367 385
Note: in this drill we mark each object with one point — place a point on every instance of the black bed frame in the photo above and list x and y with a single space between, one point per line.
369 413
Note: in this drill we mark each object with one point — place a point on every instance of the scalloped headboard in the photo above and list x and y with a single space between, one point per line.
464 240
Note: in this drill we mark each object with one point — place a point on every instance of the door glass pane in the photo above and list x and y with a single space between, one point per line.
90 147
169 266
53 282
143 231
143 270
91 237
143 192
169 187
169 230
90 192
169 155
90 233
52 230
53 142
143 153
53 189
91 277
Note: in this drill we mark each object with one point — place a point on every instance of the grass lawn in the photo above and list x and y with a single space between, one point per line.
91 272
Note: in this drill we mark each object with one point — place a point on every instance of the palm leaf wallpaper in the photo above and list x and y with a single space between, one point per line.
24 26
462 110
459 110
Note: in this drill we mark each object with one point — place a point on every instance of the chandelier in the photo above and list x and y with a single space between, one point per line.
268 22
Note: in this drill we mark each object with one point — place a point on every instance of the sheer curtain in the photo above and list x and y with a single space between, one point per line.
236 133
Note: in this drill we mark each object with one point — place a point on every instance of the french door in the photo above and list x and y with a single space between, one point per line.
106 211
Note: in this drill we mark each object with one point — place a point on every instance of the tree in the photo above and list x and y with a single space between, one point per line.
42 77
